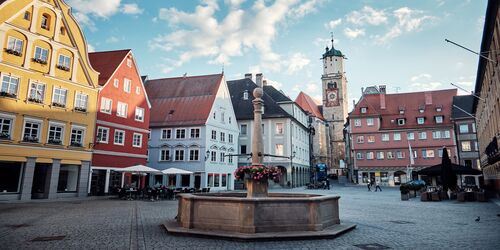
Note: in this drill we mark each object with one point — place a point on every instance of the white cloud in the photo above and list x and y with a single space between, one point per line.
84 20
367 15
408 20
305 8
131 9
234 3
112 39
202 34
90 48
98 8
275 84
320 42
424 86
353 33
480 23
296 62
420 77
333 23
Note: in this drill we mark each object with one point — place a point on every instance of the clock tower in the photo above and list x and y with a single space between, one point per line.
334 83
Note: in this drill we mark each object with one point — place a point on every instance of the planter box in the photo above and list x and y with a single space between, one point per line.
424 196
405 197
435 196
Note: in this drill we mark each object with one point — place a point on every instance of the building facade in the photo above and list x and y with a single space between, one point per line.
465 130
48 102
284 127
487 105
121 135
334 86
193 127
394 135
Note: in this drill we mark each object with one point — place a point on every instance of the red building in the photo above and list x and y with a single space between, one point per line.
122 121
384 127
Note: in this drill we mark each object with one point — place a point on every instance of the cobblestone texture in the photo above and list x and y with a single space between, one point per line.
117 224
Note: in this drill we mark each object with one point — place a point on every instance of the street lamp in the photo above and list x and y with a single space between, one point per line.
291 165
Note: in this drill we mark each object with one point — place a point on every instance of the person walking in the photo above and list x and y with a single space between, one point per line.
369 186
377 186
328 183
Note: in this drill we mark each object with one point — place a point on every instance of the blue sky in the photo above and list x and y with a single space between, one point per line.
397 43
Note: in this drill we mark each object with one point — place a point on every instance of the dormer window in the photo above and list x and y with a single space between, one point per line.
439 109
245 95
438 119
420 120
401 110
401 121
363 110
421 109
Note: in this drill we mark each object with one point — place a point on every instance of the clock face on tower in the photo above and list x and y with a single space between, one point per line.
332 98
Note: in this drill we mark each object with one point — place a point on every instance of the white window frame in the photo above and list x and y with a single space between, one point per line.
445 134
370 155
463 131
213 156
360 139
81 98
81 128
56 124
222 156
439 119
196 133
410 138
245 130
396 136
191 151
372 137
380 155
116 83
137 90
230 138
129 62
357 122
222 137
10 84
123 137
420 137
44 23
177 135
279 128
359 156
101 140
37 84
279 149
59 96
464 147
118 110
127 85
40 127
370 122
39 55
364 110
12 119
141 118
140 140
436 135
167 135
401 121
213 135
66 61
12 44
167 154
183 154
385 137
420 120
103 108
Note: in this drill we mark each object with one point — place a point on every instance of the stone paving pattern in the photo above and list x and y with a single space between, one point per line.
381 218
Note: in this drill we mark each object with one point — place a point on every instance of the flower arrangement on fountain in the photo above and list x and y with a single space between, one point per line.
258 173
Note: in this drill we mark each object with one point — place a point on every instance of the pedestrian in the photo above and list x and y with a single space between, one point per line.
328 183
369 186
377 186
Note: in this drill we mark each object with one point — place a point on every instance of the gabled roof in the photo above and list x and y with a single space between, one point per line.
410 103
308 104
106 62
277 95
244 108
182 101
464 103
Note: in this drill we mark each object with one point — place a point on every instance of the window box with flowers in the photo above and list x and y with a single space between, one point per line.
30 139
54 141
13 52
4 136
36 100
76 144
80 109
62 67
7 94
40 61
59 105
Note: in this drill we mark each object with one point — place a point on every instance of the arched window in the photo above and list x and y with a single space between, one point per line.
332 85
45 21
63 31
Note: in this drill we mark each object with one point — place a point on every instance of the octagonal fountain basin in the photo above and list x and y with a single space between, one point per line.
280 215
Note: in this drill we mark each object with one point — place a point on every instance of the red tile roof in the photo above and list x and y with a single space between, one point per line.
411 103
106 62
182 101
308 104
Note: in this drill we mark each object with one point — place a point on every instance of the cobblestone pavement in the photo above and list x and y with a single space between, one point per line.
381 218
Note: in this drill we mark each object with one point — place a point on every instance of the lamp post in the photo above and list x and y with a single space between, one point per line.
291 168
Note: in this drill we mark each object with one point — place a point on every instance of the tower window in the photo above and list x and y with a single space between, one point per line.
26 15
45 21
63 31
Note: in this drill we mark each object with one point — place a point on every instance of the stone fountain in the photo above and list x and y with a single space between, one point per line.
258 214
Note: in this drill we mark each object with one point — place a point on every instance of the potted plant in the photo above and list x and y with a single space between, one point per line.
405 192
4 135
80 109
13 52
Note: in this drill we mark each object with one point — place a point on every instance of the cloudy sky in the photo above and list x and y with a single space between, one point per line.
397 43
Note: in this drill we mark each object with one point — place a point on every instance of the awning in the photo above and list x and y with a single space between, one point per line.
175 171
456 169
139 169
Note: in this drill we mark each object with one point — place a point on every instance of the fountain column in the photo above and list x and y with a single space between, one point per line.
257 188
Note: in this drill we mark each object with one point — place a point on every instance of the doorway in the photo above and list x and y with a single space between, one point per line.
41 181
197 181
98 182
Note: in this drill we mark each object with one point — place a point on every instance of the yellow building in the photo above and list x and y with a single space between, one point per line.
48 99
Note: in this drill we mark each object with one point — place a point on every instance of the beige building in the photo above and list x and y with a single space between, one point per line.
487 106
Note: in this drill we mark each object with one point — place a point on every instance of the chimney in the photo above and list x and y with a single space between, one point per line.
382 90
428 98
248 76
362 91
258 79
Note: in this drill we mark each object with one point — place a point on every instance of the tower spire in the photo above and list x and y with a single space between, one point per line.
332 38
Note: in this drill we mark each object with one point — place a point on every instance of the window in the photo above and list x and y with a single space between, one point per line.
380 155
127 84
210 180
243 149
427 153
359 155
436 134
473 127
5 128
369 121
390 155
138 90
64 62
122 110
420 120
360 139
223 180
278 149
438 119
68 178
445 134
116 83
195 133
166 134
41 55
385 137
139 114
119 137
32 131
180 133
63 31
45 21
221 155
397 136
194 154
102 135
9 86
216 180
243 129
15 46
222 115
129 62
400 154
262 127
230 120
81 100
466 146
230 159
56 132
137 140
371 139
401 121
10 177
59 97
164 155
213 156
422 135
106 105
77 135
27 15
363 110
222 136
357 122
410 136
215 116
369 155
230 138
464 128
214 135
279 128
476 147
37 92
